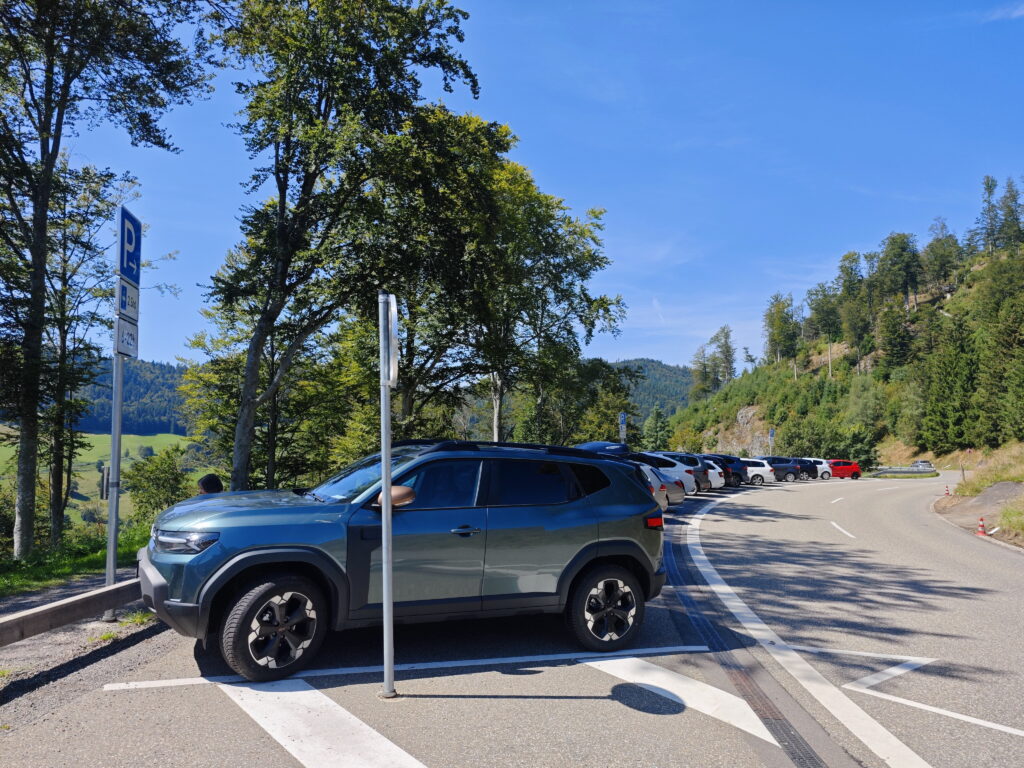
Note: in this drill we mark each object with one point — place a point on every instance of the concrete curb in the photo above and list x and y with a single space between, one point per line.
1018 550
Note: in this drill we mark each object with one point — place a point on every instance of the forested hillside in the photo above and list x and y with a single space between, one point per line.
927 346
152 403
663 385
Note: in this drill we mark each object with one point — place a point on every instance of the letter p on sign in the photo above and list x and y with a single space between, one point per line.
130 263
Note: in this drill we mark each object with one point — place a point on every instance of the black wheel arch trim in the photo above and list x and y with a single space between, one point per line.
603 549
332 573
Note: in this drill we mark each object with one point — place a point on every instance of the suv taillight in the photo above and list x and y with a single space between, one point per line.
689 471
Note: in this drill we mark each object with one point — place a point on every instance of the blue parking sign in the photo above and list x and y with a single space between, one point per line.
130 262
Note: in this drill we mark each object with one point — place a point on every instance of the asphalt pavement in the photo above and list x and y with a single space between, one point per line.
825 623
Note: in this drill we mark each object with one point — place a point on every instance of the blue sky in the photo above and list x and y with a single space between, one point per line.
740 148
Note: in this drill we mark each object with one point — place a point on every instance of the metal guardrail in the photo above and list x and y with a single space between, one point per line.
43 618
908 471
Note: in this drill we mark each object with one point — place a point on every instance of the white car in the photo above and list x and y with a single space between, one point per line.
655 485
760 472
824 468
676 470
715 475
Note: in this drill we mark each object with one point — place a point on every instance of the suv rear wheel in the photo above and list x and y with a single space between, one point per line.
606 608
826 475
790 477
274 627
756 479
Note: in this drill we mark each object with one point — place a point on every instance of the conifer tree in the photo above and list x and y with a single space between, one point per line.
1010 235
656 431
947 419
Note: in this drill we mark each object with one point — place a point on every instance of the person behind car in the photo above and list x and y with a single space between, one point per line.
210 484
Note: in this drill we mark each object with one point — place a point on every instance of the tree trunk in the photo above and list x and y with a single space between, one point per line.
57 483
245 426
28 400
497 398
272 423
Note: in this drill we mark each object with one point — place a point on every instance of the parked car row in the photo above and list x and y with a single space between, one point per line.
673 475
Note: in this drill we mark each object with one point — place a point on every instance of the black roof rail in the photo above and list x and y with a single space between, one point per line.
475 445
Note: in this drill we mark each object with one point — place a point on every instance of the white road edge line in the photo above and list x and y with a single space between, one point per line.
314 729
842 530
835 500
879 740
691 693
336 671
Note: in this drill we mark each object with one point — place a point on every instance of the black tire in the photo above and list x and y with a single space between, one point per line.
274 627
805 476
790 477
826 475
855 475
756 480
619 620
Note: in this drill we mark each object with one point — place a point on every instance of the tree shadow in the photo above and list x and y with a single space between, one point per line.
797 587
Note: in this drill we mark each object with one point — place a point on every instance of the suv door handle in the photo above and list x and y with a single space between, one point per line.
465 530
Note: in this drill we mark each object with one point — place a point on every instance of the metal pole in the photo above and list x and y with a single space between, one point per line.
385 488
115 474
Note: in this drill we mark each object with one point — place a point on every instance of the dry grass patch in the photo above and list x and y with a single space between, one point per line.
1001 465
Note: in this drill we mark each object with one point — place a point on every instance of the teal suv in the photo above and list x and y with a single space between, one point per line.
484 529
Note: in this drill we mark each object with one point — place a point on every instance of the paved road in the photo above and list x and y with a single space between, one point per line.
781 597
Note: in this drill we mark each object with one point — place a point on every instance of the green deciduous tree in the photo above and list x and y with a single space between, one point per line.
67 64
781 328
156 483
332 82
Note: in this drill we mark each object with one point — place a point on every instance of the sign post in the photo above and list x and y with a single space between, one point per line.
771 440
126 344
387 313
622 427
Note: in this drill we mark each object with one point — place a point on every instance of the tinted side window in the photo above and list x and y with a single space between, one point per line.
444 484
515 483
591 479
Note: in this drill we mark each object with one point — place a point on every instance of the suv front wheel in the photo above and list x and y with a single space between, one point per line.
274 627
606 608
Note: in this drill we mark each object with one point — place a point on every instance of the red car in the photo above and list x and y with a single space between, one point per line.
843 468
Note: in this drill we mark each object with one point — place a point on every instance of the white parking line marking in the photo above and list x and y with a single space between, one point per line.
842 530
891 487
691 693
335 671
909 664
835 500
927 708
314 729
879 740
843 652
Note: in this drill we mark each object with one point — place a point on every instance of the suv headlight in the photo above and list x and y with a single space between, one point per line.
183 542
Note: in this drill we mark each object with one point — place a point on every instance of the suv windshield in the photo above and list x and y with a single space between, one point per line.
363 474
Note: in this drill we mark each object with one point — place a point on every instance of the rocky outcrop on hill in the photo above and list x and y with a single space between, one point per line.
747 435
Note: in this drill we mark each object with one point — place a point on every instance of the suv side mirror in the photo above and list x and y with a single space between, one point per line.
401 495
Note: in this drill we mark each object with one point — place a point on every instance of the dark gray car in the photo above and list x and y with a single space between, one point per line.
488 530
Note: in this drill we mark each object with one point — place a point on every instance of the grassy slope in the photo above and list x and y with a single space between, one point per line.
100 448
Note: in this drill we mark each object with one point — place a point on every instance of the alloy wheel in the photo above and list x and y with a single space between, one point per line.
282 629
610 609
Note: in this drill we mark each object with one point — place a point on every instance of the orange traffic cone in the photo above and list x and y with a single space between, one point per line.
981 528
947 490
